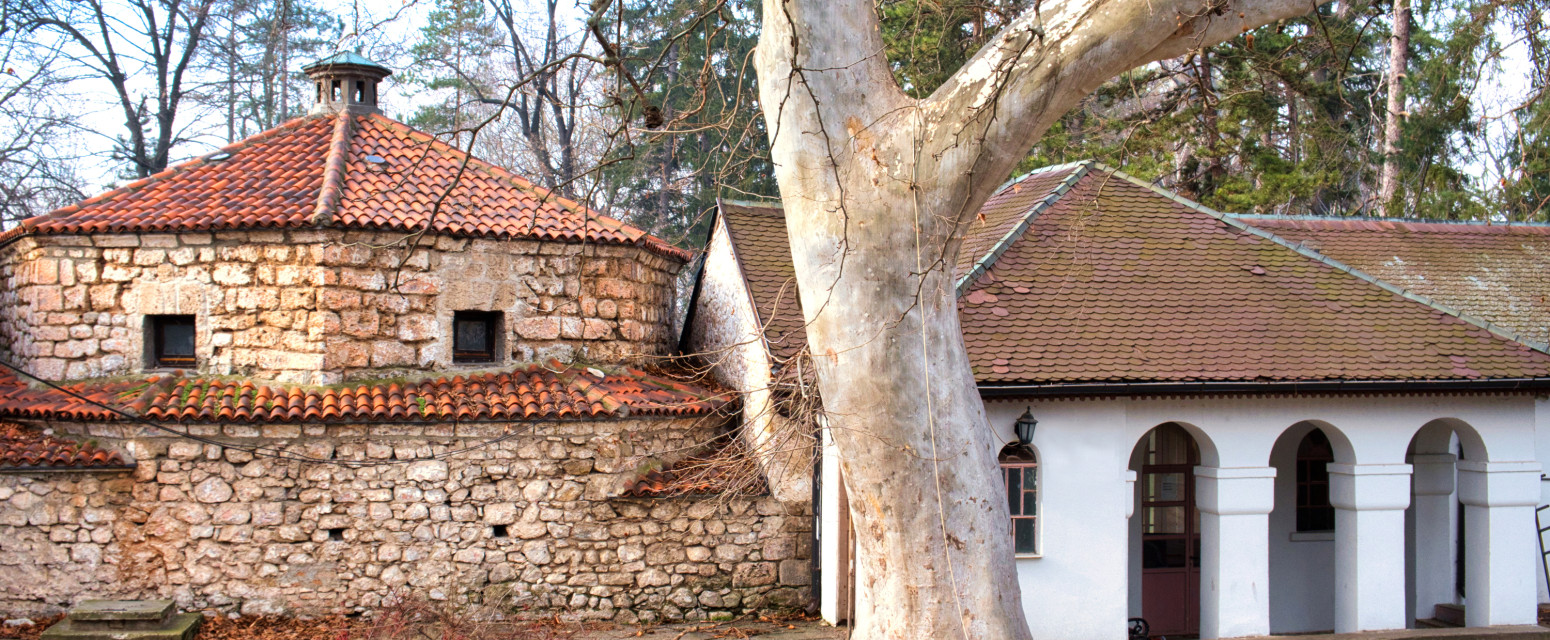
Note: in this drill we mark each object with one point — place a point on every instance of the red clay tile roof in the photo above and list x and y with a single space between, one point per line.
31 449
1498 272
347 170
758 235
18 400
1113 281
720 467
535 392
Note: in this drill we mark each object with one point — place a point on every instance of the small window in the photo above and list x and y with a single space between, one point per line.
473 336
1020 473
172 341
1314 512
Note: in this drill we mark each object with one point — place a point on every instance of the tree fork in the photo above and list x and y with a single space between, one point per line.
878 189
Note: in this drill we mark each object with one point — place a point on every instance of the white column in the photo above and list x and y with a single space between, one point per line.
1500 554
834 538
1433 489
1370 502
1234 505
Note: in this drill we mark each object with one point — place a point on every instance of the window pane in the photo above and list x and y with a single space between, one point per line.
1030 478
177 340
1023 535
1162 554
1030 503
471 335
1164 487
1164 520
1014 488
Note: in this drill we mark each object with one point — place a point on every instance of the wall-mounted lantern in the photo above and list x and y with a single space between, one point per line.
1024 427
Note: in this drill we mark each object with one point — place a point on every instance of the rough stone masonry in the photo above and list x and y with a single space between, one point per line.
531 525
321 306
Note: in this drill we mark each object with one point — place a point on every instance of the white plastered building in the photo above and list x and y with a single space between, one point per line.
1236 434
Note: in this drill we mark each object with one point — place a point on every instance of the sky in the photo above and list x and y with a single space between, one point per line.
392 25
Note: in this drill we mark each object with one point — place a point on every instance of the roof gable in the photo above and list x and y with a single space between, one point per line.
351 170
763 250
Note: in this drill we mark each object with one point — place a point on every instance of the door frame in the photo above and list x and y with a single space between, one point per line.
1190 572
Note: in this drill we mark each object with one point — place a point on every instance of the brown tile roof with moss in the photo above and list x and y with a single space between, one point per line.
536 392
346 170
758 235
1495 271
24 448
1113 281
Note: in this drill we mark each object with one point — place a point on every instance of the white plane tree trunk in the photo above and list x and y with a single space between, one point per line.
878 189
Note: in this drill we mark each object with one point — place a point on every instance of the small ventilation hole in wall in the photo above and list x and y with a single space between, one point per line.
498 531
336 534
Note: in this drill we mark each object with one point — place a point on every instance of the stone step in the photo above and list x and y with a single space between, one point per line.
122 614
1453 614
181 626
1433 623
125 620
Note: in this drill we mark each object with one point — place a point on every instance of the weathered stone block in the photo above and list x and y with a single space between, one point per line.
391 353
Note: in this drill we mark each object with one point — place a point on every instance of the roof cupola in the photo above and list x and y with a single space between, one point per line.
346 81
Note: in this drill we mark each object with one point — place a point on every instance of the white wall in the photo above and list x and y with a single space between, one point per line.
1085 448
1302 566
727 335
1542 453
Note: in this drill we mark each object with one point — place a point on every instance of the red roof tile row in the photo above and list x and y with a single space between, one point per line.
31 449
383 174
553 392
726 466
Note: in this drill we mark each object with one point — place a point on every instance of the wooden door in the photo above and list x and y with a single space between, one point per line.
1170 532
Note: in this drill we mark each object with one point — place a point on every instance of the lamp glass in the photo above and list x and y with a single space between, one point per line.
1024 426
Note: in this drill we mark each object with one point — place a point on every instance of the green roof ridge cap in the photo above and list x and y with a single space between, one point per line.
983 265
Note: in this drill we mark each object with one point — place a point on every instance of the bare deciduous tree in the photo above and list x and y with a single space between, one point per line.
549 113
878 188
36 172
128 46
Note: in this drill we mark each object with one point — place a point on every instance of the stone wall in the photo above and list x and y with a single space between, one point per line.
320 306
527 524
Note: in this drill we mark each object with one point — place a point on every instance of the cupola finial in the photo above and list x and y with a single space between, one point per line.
346 81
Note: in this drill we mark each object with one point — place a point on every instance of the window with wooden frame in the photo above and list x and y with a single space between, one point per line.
474 336
171 340
1020 475
1314 512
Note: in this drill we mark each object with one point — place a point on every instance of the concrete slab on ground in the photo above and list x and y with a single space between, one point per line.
1523 632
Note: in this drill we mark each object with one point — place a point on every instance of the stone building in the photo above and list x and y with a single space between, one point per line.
341 359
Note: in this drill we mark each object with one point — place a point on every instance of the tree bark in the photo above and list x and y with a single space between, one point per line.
878 188
1399 60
